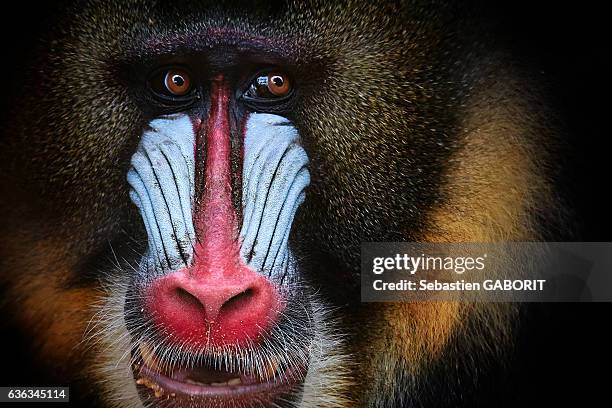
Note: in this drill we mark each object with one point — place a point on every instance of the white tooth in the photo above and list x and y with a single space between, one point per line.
234 381
221 384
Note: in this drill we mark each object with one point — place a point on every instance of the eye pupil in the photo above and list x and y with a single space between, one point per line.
178 80
278 81
278 85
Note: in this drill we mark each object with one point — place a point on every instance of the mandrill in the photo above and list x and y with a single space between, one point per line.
185 187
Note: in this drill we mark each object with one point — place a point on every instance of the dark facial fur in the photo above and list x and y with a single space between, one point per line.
414 130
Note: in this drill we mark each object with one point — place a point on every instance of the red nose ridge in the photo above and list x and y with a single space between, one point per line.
213 309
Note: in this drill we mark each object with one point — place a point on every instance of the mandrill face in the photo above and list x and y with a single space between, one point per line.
187 188
218 310
214 305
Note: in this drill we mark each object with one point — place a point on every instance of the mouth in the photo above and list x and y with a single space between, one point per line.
218 382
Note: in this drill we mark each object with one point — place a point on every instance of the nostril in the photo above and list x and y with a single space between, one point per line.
187 299
218 310
239 302
210 301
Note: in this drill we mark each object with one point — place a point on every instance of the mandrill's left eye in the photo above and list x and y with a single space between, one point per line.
270 87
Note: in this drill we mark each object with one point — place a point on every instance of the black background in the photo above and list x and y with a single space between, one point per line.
564 357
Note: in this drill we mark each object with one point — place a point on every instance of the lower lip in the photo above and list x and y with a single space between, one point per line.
175 388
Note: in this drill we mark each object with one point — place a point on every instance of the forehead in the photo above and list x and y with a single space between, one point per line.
195 26
293 30
227 37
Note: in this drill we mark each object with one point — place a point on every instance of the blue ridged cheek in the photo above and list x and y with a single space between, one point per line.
275 176
161 180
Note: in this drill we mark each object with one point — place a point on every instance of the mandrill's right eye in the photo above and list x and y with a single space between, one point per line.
177 82
172 86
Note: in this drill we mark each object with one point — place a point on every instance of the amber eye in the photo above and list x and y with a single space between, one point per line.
278 84
177 82
273 85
